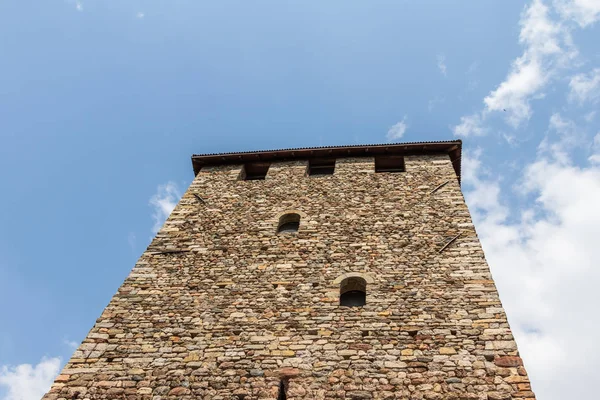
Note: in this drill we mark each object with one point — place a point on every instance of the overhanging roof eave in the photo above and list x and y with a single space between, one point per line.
452 148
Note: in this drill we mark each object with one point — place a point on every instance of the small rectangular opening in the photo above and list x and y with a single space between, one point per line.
255 171
320 167
389 164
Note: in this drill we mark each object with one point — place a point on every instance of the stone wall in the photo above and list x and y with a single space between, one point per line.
220 306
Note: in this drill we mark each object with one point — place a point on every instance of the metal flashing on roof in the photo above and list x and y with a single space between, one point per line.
452 148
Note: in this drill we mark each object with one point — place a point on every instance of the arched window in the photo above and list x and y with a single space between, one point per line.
289 223
353 292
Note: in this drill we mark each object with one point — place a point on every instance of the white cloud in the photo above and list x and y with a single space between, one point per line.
163 202
564 127
140 15
585 87
510 139
567 136
77 3
471 166
27 382
513 94
441 63
544 263
397 131
471 125
547 49
73 345
543 254
584 12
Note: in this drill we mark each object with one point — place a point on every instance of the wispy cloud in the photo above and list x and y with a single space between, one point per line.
397 130
140 15
585 87
583 12
473 67
471 75
28 382
563 136
73 345
441 63
547 49
595 156
163 202
131 240
78 4
589 117
433 102
470 125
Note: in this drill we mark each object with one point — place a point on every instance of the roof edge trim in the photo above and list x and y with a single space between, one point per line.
452 148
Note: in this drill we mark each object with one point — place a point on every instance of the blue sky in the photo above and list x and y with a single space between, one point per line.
102 104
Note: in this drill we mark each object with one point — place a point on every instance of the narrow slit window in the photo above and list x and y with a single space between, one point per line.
389 164
320 167
289 223
353 292
282 395
255 171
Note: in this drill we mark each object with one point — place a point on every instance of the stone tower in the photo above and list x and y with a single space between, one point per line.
348 272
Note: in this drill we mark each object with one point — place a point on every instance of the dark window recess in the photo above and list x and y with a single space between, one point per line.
389 164
353 292
255 171
321 167
289 223
281 395
353 298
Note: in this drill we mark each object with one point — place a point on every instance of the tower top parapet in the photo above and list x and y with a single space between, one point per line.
452 148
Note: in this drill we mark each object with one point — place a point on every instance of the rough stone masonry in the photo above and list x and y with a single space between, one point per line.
222 306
